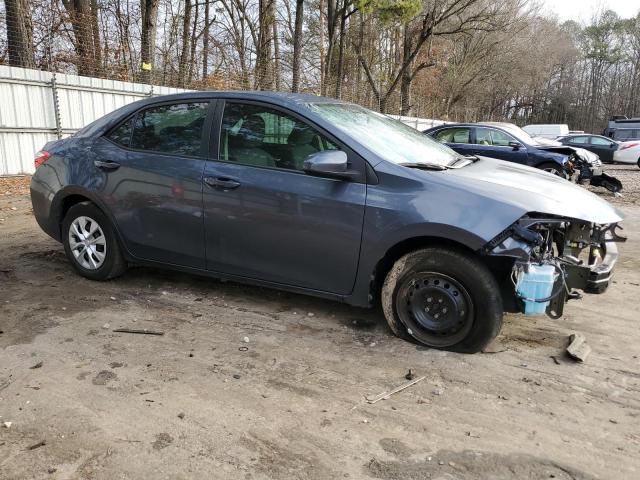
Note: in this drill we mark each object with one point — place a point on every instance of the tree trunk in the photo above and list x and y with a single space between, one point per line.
184 54
264 70
276 57
205 42
407 74
84 17
322 52
19 33
297 46
149 9
340 66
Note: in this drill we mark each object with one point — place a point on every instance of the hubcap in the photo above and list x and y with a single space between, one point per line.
87 243
436 309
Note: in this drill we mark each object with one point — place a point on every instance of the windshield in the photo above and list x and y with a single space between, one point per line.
391 139
521 135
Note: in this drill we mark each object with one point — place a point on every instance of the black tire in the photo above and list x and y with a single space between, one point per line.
552 168
639 163
112 263
444 299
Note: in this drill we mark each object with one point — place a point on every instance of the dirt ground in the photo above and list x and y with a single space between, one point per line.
253 383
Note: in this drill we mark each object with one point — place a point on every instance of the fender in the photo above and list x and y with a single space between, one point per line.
68 191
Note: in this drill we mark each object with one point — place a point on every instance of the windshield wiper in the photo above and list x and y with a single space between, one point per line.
425 166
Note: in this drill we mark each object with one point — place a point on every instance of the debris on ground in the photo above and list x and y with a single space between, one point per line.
181 415
578 348
555 359
438 391
409 375
41 443
245 339
37 365
7 424
143 331
385 395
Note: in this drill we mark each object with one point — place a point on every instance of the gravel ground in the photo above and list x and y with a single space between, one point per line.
80 401
629 175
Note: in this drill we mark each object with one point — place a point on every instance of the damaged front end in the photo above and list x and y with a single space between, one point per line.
585 167
554 258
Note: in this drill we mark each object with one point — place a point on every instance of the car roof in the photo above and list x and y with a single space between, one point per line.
279 98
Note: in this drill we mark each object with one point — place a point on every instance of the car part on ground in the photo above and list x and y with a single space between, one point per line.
326 198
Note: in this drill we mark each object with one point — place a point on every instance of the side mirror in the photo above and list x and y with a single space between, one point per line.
515 145
330 164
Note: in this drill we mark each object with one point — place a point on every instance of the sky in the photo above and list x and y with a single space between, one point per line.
581 10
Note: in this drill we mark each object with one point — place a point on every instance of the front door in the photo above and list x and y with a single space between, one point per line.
603 147
268 220
494 143
152 166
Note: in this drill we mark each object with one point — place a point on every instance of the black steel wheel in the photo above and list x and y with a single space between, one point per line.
443 298
435 308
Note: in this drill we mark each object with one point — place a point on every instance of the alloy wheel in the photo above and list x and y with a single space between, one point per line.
87 243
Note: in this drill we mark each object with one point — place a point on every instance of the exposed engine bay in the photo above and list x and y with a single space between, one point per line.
554 258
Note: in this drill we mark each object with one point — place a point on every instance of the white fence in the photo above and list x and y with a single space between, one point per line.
36 107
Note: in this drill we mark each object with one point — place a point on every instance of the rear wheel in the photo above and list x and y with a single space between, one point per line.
91 244
443 299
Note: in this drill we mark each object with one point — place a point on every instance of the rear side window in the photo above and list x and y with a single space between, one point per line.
453 135
122 134
172 129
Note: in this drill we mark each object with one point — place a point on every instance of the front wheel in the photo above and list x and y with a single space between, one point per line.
443 299
90 243
553 169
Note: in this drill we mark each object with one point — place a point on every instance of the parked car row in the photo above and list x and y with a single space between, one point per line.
327 198
506 141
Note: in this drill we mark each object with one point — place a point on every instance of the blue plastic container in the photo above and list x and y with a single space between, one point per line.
536 284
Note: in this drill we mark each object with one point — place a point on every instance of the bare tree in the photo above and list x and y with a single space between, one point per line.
149 13
19 33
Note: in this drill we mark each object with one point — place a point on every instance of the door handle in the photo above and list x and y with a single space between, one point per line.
222 182
106 165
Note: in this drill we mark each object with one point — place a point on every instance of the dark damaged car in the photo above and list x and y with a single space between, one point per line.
326 198
506 141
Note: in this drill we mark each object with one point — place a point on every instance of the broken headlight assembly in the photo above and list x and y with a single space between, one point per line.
554 258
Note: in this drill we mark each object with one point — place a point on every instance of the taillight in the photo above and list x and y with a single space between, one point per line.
41 157
631 145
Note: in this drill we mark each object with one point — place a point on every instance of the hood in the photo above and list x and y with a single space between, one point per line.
532 190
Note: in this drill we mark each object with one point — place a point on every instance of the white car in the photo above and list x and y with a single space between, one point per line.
628 152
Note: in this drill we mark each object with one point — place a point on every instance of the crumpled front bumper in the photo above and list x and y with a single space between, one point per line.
593 279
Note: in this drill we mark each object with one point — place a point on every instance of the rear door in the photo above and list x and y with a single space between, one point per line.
151 178
457 138
264 217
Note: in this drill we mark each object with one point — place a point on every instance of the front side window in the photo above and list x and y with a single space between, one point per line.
491 137
265 137
454 135
580 140
600 141
172 129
